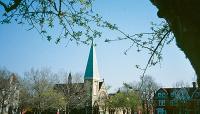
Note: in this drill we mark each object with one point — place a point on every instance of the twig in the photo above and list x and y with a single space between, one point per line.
152 55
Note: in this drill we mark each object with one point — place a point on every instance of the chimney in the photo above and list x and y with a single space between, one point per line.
194 85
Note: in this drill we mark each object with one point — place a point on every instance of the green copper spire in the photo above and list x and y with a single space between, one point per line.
91 71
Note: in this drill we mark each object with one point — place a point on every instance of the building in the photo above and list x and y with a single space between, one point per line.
95 88
87 97
184 100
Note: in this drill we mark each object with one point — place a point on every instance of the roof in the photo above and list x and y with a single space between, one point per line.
190 91
196 94
91 71
66 87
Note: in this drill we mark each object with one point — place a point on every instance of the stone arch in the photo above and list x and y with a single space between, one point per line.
102 97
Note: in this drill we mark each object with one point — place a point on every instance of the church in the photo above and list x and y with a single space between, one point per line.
95 88
90 96
87 97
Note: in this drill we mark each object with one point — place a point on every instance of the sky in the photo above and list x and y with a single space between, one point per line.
22 50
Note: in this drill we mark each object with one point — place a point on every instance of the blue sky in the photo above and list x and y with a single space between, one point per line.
22 50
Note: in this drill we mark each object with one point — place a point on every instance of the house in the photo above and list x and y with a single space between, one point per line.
184 100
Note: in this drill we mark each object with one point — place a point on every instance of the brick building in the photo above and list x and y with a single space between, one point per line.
184 100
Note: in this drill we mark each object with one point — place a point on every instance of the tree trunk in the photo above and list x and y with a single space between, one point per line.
147 109
190 45
183 17
1 109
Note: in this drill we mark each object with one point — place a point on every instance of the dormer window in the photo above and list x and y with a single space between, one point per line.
163 94
172 94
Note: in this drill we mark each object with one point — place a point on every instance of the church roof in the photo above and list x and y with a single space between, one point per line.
91 71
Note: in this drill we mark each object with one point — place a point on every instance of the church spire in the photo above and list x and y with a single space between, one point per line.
91 71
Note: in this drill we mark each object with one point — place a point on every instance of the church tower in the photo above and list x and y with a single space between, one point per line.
92 78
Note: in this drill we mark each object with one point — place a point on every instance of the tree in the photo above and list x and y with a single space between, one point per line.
38 88
181 84
25 104
75 18
8 90
147 91
80 24
73 91
146 88
182 17
125 99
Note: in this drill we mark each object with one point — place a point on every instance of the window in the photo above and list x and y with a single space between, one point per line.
159 94
173 94
161 111
161 102
172 102
163 94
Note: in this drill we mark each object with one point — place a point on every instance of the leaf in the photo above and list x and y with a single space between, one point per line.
49 38
82 1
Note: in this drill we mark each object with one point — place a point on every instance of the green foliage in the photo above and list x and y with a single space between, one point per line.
123 100
145 89
52 100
